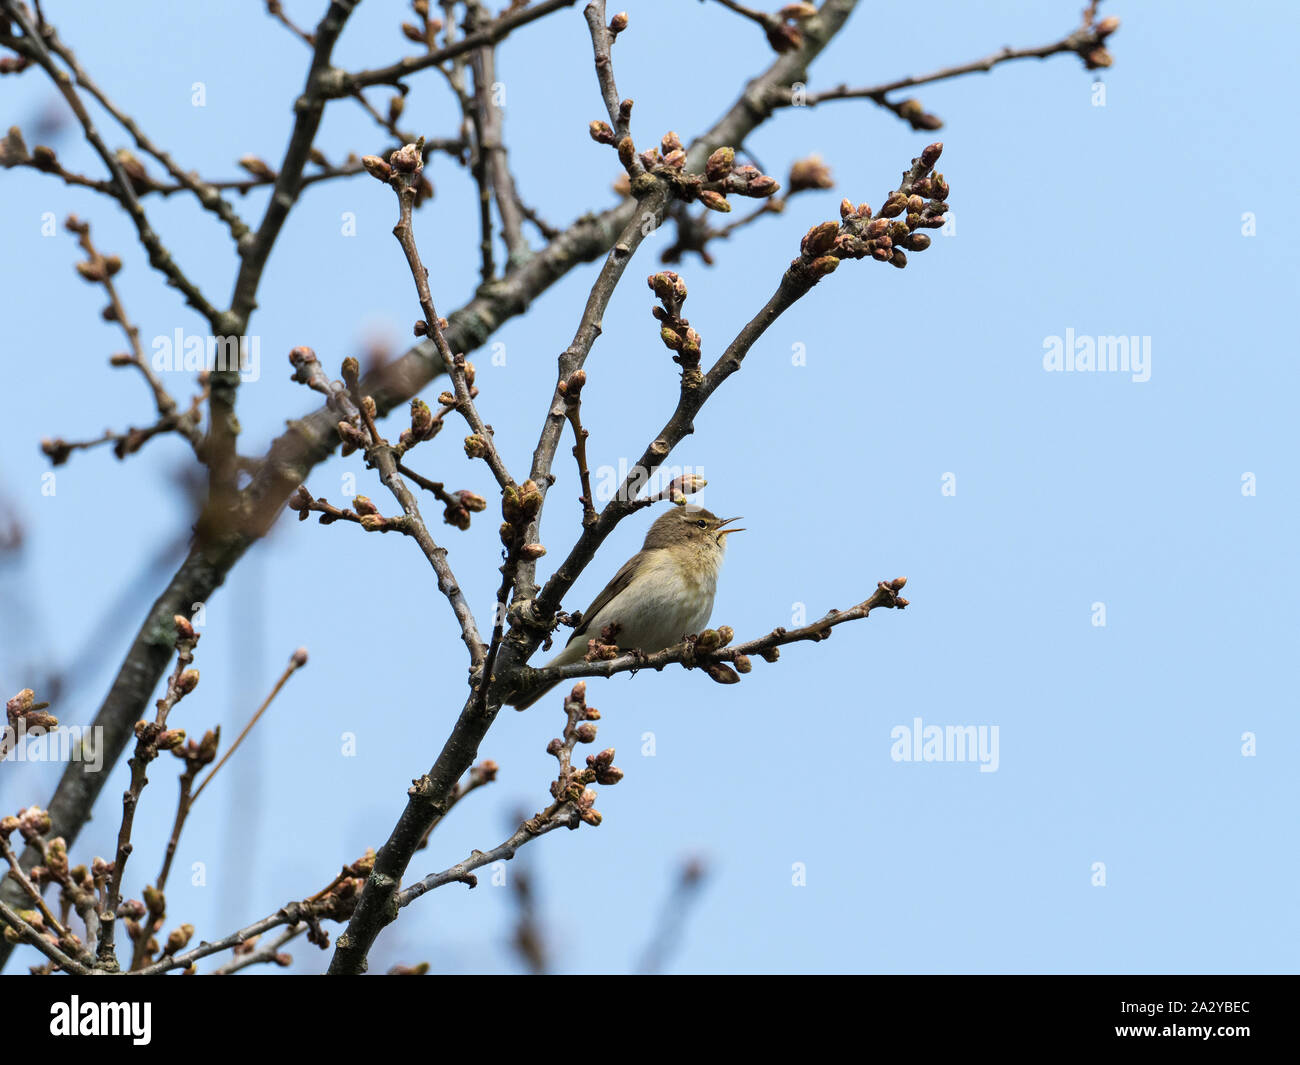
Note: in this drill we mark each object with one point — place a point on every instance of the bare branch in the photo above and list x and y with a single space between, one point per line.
344 84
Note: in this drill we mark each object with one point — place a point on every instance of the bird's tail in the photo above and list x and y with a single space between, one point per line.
532 697
574 652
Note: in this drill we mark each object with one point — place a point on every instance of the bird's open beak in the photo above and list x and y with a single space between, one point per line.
727 521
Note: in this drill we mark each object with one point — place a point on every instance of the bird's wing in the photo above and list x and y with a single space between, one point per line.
621 580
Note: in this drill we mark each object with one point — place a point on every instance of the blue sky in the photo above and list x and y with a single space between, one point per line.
1119 744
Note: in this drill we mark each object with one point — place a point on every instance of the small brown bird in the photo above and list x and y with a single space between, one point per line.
663 593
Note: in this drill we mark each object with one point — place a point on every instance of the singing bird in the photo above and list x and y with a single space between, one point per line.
663 593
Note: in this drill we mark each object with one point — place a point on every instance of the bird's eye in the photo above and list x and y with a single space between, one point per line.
702 524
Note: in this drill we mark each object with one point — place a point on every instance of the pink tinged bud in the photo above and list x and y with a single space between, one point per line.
178 938
823 265
299 658
170 738
601 132
406 160
421 418
376 167
714 201
720 164
207 749
22 703
188 681
571 387
531 552
684 486
820 239
722 673
931 154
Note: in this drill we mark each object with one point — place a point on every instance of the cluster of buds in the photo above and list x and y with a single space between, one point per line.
56 449
337 901
571 387
675 331
571 785
24 712
306 368
709 642
426 32
167 739
99 268
721 177
782 29
95 268
604 646
424 426
460 505
197 753
31 823
519 506
177 939
404 168
919 203
421 329
680 487
144 918
1090 42
891 590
